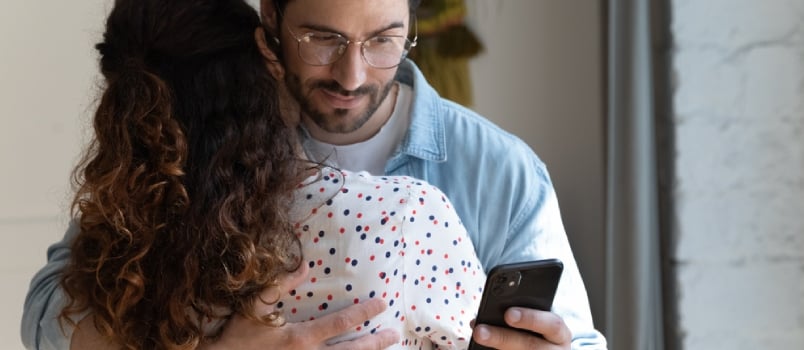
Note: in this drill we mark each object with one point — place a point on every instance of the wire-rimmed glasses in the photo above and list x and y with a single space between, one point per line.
381 51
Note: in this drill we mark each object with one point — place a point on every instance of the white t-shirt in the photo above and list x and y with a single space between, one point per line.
370 155
395 238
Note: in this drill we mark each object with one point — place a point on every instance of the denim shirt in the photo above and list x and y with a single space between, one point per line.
499 187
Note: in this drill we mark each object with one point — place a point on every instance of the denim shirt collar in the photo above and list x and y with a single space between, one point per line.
426 137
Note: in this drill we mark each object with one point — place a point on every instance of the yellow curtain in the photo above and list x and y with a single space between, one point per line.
445 47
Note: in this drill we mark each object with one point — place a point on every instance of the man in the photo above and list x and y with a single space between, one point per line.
363 110
364 107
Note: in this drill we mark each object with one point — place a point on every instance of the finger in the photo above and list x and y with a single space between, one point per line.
345 320
546 323
269 296
292 280
379 340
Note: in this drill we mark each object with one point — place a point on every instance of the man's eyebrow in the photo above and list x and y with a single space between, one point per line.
324 28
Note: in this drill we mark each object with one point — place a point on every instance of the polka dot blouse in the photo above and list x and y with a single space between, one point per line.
394 238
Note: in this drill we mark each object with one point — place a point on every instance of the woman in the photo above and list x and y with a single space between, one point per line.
194 198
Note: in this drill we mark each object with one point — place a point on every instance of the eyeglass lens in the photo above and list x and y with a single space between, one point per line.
383 51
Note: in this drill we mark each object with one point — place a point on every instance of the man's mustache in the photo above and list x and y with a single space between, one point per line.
335 88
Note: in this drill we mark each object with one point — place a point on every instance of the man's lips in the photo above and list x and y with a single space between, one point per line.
341 101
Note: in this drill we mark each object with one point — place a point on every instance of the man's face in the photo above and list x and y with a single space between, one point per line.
340 97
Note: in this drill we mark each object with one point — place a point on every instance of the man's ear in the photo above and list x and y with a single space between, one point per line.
268 14
271 60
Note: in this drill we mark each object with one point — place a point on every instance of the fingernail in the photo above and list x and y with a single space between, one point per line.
482 333
515 315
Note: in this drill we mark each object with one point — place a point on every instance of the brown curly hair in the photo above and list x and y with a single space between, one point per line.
183 194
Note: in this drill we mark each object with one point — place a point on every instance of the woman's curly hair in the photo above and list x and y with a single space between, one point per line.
183 194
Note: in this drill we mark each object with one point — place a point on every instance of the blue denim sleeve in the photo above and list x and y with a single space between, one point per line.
537 232
41 328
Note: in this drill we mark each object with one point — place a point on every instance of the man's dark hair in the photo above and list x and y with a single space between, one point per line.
281 4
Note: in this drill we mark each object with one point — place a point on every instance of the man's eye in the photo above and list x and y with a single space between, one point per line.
384 40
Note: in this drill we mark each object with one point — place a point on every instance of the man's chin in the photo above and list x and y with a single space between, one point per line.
338 122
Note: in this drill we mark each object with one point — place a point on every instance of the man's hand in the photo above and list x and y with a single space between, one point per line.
556 333
241 333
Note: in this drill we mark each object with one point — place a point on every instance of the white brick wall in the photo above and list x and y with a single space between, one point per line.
739 114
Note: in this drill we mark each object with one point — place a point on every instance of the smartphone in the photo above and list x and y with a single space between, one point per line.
530 284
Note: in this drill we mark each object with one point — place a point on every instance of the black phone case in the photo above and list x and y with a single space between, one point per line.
529 284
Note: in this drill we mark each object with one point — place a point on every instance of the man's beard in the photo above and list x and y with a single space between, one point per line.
322 120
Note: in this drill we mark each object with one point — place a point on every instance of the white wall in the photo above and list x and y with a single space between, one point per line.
47 67
739 125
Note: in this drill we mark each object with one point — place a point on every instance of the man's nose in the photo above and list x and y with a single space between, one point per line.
350 69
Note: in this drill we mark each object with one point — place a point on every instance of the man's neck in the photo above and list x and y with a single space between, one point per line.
365 132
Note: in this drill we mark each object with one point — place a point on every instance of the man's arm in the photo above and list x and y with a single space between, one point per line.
40 327
244 334
42 330
538 233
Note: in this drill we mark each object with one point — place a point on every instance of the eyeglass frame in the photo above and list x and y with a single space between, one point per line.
344 45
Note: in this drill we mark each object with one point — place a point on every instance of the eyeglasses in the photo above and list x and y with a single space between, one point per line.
381 51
